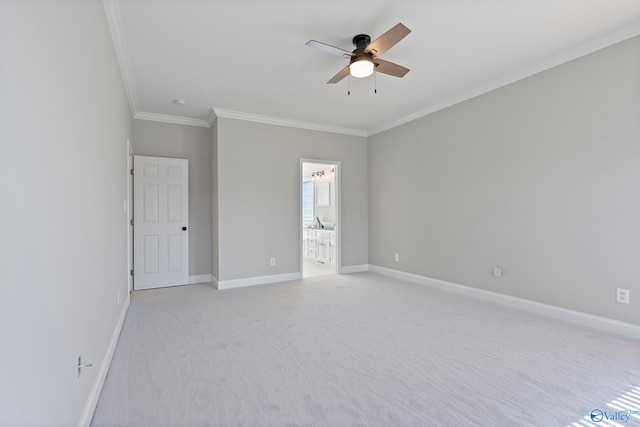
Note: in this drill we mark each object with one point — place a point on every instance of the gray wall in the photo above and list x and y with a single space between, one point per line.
192 143
541 177
64 121
259 195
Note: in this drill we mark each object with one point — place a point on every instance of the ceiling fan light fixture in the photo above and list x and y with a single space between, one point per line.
361 67
365 58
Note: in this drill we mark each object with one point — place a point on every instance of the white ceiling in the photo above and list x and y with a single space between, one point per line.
248 59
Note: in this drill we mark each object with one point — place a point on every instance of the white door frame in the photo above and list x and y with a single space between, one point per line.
129 210
337 192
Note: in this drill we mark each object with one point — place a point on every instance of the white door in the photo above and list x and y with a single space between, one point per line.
161 222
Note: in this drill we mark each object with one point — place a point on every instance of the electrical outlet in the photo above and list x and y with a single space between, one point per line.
273 262
397 257
497 272
622 295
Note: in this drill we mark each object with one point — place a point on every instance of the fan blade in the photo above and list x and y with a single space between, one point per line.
328 48
387 40
390 68
341 75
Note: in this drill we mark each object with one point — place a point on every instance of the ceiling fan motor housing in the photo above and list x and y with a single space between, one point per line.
361 41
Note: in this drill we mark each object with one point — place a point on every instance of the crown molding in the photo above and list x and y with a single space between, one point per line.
228 114
554 61
212 117
117 34
171 119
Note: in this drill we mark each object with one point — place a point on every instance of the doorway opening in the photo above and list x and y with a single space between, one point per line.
319 217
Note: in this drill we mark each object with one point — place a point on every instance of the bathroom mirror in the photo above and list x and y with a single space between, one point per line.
322 194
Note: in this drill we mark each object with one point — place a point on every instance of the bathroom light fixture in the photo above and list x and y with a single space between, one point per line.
318 175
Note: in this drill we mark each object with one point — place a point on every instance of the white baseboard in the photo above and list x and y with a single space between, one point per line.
263 280
202 278
354 269
577 317
92 401
258 280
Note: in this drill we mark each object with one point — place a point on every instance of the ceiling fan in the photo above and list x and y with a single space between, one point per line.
365 57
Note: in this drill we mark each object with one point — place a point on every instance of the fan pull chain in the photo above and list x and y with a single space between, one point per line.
349 84
375 81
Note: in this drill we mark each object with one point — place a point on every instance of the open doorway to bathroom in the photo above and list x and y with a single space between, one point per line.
319 217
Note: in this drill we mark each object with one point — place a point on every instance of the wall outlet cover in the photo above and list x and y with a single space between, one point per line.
622 295
497 272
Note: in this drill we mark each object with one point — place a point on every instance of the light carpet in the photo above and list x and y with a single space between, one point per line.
358 350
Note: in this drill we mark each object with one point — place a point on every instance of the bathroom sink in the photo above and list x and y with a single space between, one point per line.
315 227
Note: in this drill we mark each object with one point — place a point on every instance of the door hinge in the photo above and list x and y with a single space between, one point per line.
131 171
132 271
131 221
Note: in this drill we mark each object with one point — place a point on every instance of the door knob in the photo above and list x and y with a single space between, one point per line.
184 228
